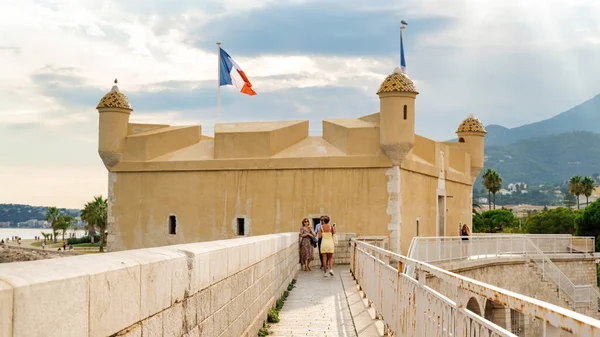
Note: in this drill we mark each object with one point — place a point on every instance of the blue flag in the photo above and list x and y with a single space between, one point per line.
402 59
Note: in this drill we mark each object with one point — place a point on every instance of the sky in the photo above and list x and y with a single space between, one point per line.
509 62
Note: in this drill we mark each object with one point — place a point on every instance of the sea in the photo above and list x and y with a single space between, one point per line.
31 233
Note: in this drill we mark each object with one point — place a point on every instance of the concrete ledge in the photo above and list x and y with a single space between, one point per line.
258 139
201 289
150 144
352 136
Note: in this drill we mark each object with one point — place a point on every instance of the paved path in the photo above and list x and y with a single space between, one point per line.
319 307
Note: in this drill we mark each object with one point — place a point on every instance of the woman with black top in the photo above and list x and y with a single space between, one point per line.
464 232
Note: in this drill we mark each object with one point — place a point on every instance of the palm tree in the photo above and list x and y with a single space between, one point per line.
85 217
487 183
493 183
64 223
98 215
587 188
53 215
575 187
497 185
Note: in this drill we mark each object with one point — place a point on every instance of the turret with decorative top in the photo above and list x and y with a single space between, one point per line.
472 132
114 109
397 96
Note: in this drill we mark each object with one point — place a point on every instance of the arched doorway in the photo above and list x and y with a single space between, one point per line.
496 313
473 305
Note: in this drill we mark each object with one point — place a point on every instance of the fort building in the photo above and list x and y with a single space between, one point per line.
372 175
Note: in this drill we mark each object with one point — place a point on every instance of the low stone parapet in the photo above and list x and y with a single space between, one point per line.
218 288
342 251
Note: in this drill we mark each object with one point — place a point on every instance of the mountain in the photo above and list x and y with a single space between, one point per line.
584 117
15 213
549 159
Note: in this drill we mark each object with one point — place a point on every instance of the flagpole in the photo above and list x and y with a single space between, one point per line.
219 83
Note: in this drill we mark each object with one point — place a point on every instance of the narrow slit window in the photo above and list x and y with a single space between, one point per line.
172 224
241 226
405 112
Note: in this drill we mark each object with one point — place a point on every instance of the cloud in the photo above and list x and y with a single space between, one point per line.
508 62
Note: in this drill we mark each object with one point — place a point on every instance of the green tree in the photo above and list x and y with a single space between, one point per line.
46 236
495 221
587 188
84 214
493 183
98 215
52 216
575 187
560 220
589 223
569 200
64 223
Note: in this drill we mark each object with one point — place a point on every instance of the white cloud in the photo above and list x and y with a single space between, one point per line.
144 44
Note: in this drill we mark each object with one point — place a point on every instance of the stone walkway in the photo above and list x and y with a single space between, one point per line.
326 307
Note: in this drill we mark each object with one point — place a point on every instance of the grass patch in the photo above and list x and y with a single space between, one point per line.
96 244
273 316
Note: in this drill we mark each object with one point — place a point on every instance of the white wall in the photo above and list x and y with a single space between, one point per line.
218 288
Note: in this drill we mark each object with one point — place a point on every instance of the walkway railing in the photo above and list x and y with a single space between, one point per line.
409 307
534 247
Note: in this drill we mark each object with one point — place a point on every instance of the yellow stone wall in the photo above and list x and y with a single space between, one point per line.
207 203
372 175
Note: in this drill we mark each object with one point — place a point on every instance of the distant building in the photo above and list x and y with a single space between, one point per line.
503 191
372 175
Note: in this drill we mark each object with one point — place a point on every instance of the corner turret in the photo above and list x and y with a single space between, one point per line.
114 110
472 132
397 96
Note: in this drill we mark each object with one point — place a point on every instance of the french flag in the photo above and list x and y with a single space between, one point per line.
232 74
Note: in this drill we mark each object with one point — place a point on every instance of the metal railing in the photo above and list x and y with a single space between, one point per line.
446 248
410 307
533 247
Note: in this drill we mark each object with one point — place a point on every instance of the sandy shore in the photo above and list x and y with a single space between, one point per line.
12 254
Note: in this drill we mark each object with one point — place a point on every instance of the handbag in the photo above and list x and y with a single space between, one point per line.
314 241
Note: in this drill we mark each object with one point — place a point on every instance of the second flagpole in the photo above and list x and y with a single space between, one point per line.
219 83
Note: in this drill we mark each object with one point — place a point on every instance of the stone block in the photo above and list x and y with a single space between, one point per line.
173 320
153 327
203 308
190 319
201 271
135 331
220 294
161 271
195 332
115 294
207 327
218 260
32 301
220 321
236 306
6 310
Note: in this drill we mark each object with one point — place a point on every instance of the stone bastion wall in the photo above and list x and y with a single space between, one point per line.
217 288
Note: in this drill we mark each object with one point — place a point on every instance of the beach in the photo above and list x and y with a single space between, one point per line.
31 233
